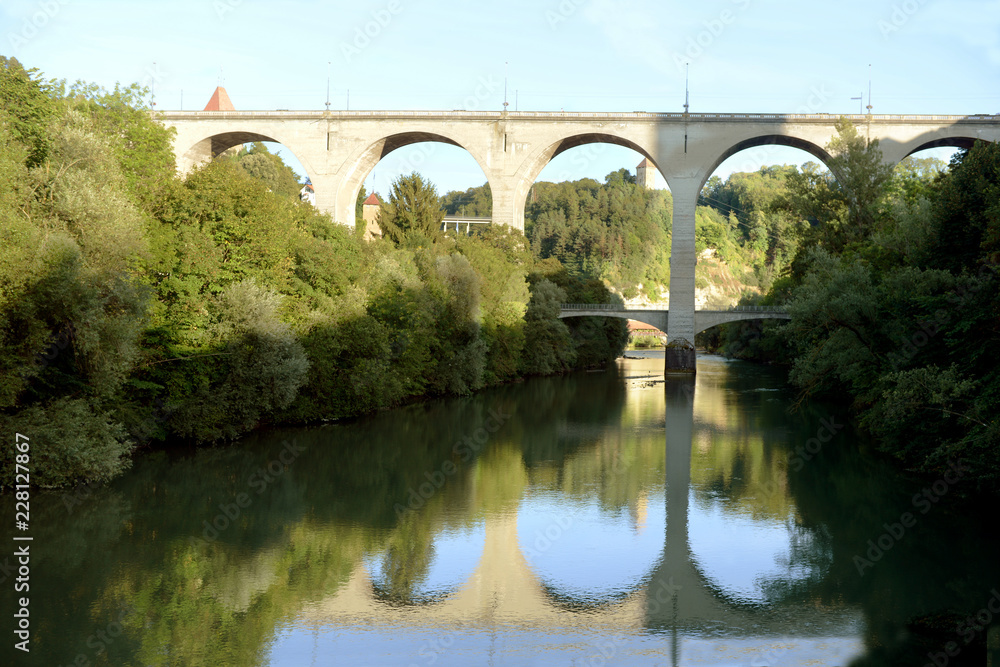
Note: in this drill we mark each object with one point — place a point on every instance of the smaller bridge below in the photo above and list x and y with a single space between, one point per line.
455 222
656 315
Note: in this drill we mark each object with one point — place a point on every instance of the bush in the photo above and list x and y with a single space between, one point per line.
71 441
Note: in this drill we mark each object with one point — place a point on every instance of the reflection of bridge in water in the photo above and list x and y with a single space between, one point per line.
675 598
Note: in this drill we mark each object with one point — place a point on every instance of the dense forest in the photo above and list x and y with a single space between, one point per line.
893 298
138 308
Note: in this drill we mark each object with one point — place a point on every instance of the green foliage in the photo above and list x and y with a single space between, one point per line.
474 202
895 308
73 439
644 342
412 215
269 169
547 339
263 367
967 211
618 232
27 108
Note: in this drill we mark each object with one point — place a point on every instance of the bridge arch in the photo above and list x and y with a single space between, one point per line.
786 140
532 167
902 142
362 162
207 148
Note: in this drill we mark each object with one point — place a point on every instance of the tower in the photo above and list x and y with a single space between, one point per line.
645 175
369 212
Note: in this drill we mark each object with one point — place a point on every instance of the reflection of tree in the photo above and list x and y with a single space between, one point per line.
139 547
406 560
129 547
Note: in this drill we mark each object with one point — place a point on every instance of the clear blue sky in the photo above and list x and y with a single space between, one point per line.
926 56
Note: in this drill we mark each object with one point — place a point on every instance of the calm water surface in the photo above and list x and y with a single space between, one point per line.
605 518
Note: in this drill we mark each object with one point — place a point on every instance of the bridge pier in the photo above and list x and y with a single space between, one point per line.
680 354
503 190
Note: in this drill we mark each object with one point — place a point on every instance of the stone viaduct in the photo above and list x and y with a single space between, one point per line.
338 149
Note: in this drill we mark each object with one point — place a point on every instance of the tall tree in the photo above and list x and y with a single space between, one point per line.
27 108
413 213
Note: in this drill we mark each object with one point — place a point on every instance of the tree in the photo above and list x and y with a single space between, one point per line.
413 213
548 346
270 169
141 144
27 108
847 204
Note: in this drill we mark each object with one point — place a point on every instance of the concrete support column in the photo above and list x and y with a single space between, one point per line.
680 355
327 200
505 209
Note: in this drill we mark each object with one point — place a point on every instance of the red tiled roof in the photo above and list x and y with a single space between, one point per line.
220 101
635 325
644 163
373 200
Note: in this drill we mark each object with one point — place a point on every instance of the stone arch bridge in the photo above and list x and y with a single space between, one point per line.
338 149
658 316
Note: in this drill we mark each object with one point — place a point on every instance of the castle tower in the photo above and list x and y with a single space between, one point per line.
369 211
645 175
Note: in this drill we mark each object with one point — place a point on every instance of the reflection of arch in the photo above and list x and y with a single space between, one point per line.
533 166
771 140
552 554
211 147
440 545
362 162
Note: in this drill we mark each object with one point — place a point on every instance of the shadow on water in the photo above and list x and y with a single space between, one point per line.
199 557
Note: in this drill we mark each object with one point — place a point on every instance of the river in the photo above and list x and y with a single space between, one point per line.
602 518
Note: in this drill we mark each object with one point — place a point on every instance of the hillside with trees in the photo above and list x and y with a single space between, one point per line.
618 232
139 309
894 301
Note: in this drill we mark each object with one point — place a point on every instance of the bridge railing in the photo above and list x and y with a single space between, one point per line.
661 306
748 309
549 115
608 306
